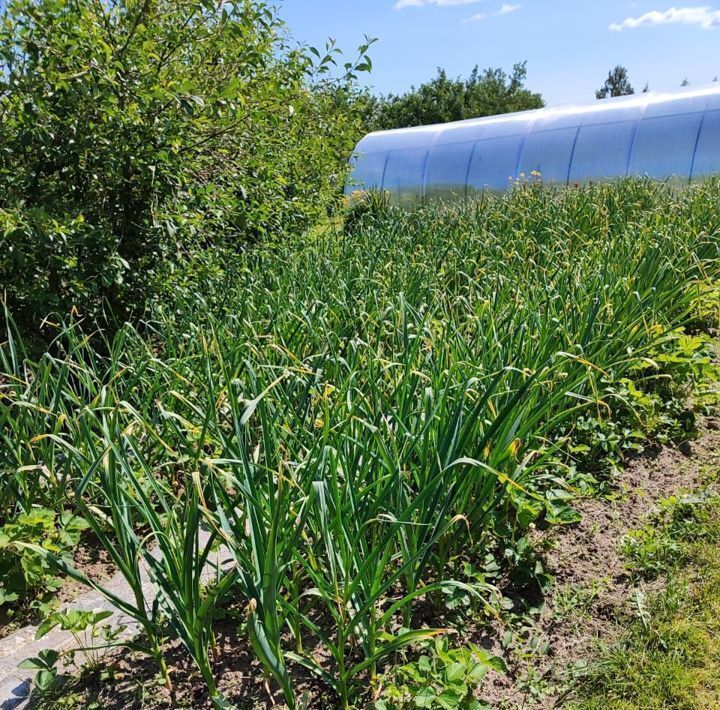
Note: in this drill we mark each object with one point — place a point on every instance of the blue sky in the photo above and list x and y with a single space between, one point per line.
569 44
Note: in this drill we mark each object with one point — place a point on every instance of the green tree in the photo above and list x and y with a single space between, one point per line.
616 84
134 131
483 93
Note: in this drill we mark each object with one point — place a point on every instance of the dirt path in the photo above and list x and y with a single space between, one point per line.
592 594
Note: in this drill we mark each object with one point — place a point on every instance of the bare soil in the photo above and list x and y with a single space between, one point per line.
91 559
130 681
591 598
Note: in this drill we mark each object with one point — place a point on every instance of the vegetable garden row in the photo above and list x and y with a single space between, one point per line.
357 415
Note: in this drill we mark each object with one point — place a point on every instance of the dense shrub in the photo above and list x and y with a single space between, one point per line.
133 131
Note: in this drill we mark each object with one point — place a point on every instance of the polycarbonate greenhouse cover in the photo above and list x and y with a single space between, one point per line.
661 136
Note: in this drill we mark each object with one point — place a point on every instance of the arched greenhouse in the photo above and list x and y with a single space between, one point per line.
659 135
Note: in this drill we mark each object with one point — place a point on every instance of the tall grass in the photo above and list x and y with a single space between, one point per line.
350 411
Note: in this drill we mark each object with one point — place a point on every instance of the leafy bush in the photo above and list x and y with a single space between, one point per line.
135 131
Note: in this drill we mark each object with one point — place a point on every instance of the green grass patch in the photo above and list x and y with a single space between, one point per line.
670 657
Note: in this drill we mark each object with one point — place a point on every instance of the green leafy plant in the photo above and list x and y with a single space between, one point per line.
442 677
177 566
363 206
135 133
484 93
666 656
85 629
652 549
92 638
44 665
24 572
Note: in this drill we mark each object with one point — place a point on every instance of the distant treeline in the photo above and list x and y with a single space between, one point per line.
484 93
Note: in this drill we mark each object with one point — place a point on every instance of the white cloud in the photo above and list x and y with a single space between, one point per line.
704 17
402 4
505 9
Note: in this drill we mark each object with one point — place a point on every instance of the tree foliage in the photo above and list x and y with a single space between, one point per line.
134 131
616 84
483 93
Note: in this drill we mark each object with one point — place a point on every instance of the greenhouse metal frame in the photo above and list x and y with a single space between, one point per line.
661 136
